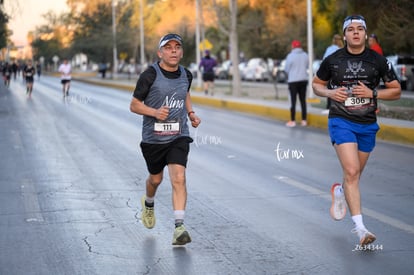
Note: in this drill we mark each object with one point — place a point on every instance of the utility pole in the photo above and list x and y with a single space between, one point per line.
115 53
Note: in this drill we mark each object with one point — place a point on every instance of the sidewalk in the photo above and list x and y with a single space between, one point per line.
260 99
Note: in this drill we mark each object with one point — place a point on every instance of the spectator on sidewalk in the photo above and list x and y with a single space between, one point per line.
374 44
296 67
337 43
102 69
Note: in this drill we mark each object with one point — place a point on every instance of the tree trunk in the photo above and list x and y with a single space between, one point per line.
234 49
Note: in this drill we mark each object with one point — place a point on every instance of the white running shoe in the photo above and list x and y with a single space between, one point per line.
338 208
365 237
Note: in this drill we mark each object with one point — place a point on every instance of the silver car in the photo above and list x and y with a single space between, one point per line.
404 68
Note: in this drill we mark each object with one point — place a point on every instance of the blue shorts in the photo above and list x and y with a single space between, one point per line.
343 131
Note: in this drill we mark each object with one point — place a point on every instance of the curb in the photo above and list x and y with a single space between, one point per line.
387 132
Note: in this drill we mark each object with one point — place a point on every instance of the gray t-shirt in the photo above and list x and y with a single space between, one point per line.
166 92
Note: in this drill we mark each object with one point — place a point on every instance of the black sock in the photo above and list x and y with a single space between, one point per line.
178 222
149 204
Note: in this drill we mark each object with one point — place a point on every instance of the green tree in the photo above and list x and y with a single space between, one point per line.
93 33
396 27
265 28
4 33
46 48
391 21
52 38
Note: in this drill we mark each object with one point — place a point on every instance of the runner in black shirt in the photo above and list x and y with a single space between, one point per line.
7 72
15 68
349 77
29 73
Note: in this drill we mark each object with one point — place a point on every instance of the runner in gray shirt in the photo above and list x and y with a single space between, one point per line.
162 96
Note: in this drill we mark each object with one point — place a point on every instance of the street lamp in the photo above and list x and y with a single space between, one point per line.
115 63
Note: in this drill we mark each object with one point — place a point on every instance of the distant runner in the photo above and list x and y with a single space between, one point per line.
65 69
28 74
7 72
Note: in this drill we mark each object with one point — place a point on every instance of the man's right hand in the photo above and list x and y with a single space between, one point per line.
162 113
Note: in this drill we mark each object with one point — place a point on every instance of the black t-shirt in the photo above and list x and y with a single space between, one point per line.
343 69
7 70
146 79
29 72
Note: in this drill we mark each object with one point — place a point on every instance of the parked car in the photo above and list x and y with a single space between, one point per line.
279 73
193 68
256 69
404 67
242 67
222 71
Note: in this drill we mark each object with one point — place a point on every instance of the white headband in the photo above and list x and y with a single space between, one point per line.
349 21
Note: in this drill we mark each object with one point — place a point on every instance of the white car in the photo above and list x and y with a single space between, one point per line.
256 69
221 71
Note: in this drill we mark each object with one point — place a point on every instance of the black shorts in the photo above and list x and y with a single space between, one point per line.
29 79
64 81
208 76
157 156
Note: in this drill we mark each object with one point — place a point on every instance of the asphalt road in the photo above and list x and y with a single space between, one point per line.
71 176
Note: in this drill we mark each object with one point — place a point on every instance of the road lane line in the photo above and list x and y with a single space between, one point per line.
31 202
371 213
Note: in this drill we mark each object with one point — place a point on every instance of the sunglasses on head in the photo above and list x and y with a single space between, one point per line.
354 17
172 36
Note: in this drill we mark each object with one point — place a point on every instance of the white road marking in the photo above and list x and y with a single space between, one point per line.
371 213
31 202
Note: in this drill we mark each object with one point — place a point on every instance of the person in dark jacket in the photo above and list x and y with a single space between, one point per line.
207 65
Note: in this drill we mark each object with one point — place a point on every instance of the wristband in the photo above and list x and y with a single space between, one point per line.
190 112
374 94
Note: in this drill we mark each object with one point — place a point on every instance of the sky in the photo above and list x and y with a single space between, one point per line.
27 14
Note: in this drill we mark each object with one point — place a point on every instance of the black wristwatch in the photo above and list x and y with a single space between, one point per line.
374 94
